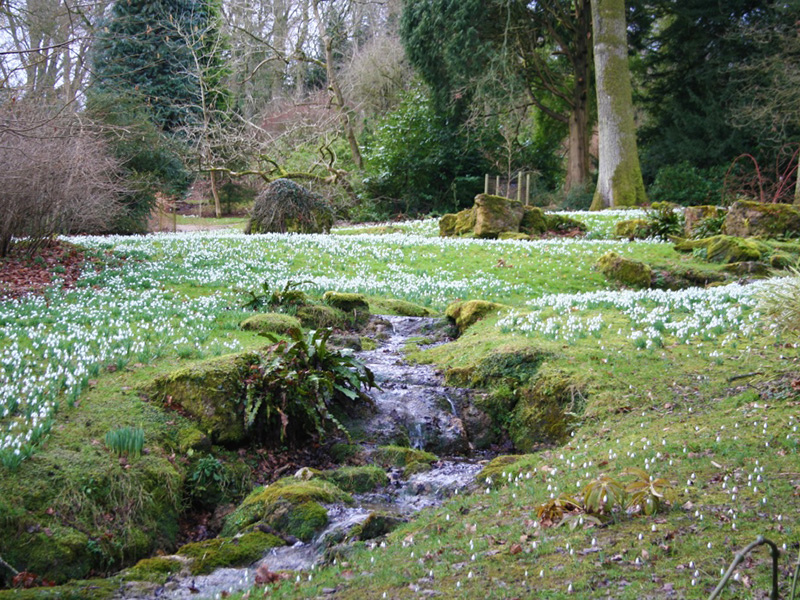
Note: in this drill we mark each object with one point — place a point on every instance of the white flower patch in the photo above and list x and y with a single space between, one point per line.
723 314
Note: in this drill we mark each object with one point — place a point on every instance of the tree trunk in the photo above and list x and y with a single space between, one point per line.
215 193
619 181
578 165
797 182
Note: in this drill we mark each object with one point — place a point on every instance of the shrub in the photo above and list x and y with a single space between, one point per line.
287 206
57 177
664 220
686 185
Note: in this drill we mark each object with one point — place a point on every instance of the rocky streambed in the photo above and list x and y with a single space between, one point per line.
415 415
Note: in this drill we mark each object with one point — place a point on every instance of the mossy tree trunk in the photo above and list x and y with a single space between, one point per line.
619 181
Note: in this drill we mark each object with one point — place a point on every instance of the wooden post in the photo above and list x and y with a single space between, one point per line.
486 184
497 186
519 186
527 189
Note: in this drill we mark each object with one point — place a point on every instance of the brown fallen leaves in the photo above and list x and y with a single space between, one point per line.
265 577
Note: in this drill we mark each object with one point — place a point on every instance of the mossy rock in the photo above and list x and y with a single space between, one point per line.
511 235
83 589
400 456
693 215
284 505
155 569
239 551
346 452
459 376
534 222
623 270
191 438
632 229
495 214
57 552
378 524
725 249
782 260
748 268
319 317
545 409
346 302
751 219
461 224
415 467
357 480
350 341
467 313
271 323
562 223
210 393
403 308
493 472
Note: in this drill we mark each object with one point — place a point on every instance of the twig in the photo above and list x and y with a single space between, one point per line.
8 566
746 375
740 557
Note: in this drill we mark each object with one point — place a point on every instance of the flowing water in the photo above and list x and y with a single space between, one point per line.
413 403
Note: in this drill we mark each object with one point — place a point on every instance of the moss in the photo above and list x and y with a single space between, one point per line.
345 452
625 271
495 214
276 504
404 308
447 225
747 219
358 480
191 438
318 317
467 313
84 589
510 365
400 456
378 524
496 468
459 376
346 302
749 268
461 224
545 410
228 551
415 467
533 221
631 229
271 323
367 343
210 392
511 235
153 569
561 223
726 249
350 341
782 260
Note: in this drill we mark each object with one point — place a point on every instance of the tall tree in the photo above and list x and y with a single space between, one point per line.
619 180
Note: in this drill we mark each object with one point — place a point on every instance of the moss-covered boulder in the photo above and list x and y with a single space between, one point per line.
210 392
545 409
563 223
693 215
725 249
757 219
345 302
494 215
747 268
357 480
319 316
466 313
220 552
534 222
403 308
155 569
623 270
461 224
271 323
290 505
400 456
632 229
379 524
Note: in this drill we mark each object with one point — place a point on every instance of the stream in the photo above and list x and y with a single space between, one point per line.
412 403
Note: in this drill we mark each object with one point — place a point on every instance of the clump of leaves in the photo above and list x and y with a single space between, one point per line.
125 441
553 511
603 494
663 220
290 393
279 298
708 227
646 492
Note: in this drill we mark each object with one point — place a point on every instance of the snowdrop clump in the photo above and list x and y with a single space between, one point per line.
725 313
